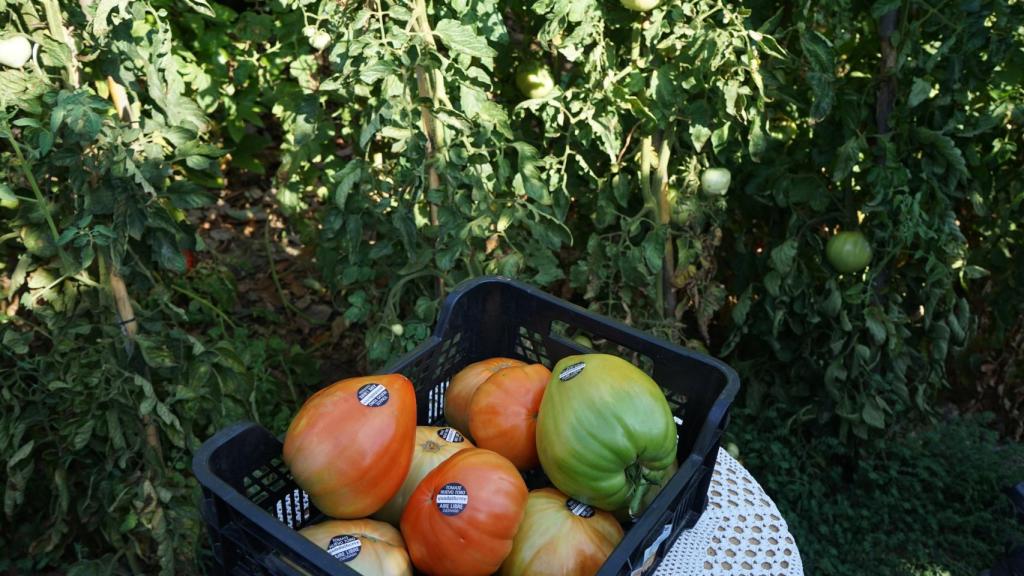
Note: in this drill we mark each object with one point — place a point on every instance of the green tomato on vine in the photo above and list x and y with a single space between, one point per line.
534 79
848 251
319 40
640 5
15 51
715 181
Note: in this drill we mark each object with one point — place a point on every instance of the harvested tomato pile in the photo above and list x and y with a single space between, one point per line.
452 500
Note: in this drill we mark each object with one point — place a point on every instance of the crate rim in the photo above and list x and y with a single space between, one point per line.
720 405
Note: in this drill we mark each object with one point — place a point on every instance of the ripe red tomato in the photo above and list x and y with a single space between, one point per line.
464 385
461 519
350 445
503 413
560 536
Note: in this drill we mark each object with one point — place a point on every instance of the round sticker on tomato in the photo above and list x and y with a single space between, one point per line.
449 434
571 371
344 547
579 508
373 395
452 499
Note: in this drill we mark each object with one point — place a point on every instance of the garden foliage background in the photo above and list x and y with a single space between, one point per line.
278 193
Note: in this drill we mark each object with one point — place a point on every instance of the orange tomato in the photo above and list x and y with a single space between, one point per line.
433 446
369 547
461 519
561 537
463 386
503 413
351 443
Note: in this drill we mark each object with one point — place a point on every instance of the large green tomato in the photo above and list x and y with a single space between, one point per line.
534 79
848 251
15 51
605 433
715 181
640 5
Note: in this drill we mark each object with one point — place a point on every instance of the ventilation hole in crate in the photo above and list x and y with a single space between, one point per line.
530 345
578 337
435 403
677 403
293 509
262 483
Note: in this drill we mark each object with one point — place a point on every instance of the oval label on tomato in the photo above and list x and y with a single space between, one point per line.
344 547
449 434
373 395
571 371
452 499
579 508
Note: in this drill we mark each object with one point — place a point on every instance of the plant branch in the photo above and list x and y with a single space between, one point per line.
277 282
659 183
40 199
433 130
55 23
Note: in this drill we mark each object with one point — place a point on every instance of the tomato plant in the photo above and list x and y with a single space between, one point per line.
113 365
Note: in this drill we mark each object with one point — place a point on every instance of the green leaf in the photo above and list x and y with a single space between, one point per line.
919 92
102 13
720 137
818 51
347 180
783 255
16 342
834 301
201 6
654 249
972 272
82 435
114 430
742 307
155 352
758 140
462 39
773 282
20 454
938 144
847 157
881 7
872 415
699 135
185 195
875 321
823 91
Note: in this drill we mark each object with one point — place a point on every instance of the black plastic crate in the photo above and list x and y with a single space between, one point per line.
253 508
